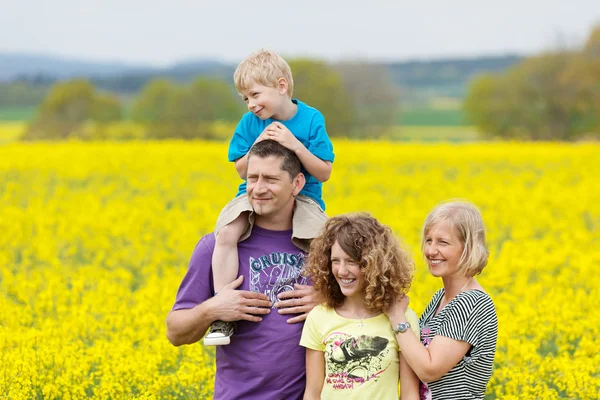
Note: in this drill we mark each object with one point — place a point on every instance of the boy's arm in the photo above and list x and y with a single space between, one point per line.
318 168
241 164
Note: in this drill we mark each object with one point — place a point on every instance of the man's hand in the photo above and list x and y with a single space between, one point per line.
236 305
282 135
300 301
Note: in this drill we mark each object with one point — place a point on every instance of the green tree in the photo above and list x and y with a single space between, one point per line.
150 106
553 96
185 112
68 106
319 85
374 96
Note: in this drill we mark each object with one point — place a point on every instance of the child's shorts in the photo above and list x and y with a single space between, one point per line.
307 221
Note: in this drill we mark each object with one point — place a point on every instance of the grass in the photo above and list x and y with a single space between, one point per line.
11 131
432 117
15 114
455 134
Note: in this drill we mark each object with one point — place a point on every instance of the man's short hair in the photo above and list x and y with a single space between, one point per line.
270 148
264 67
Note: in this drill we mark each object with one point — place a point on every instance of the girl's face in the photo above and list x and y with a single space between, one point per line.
347 272
442 249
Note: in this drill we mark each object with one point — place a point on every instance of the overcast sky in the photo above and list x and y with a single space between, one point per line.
164 32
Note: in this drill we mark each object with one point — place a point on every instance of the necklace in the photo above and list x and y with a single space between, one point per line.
442 305
360 324
463 288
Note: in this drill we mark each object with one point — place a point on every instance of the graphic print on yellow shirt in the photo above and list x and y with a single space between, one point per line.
361 356
355 360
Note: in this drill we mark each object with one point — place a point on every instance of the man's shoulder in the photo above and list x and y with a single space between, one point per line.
206 244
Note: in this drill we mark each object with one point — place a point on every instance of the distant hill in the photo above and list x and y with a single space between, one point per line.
447 76
18 65
26 78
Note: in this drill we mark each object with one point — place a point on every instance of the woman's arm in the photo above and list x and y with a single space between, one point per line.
315 374
429 363
409 383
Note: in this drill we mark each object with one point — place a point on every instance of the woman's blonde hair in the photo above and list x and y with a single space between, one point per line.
386 266
264 67
466 222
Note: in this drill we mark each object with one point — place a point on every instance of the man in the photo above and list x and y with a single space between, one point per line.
264 359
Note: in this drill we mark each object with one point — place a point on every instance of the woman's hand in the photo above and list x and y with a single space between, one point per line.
396 311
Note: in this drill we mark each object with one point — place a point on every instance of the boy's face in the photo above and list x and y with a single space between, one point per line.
266 102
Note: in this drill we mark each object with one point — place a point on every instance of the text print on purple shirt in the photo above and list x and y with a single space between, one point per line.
265 359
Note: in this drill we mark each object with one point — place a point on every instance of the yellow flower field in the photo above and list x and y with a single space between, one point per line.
95 238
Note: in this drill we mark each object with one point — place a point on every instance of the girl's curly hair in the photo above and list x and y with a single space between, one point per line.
387 267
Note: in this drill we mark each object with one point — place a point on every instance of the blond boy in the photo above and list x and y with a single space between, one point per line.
264 80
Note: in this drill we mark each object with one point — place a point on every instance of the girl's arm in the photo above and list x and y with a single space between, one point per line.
409 383
315 374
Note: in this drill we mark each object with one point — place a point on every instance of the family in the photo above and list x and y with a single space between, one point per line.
302 306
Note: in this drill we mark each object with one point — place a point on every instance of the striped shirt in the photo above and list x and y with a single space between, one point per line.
470 317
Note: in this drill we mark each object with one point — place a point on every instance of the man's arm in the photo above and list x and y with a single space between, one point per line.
187 326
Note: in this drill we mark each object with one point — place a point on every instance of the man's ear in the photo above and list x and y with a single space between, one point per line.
282 85
299 182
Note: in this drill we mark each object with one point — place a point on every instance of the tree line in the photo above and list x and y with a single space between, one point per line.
551 96
357 100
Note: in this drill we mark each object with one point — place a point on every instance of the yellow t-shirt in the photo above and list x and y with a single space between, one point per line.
361 362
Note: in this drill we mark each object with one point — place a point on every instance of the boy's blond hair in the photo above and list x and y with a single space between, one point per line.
263 67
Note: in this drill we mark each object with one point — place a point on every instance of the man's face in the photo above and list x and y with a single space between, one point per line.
270 189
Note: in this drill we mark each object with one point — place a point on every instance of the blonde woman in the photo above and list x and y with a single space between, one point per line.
358 269
454 354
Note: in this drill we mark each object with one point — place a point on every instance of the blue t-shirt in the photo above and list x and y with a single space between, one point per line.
308 125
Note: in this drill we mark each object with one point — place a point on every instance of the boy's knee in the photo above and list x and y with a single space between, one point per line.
230 234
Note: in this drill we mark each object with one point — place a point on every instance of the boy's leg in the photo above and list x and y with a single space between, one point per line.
307 222
225 261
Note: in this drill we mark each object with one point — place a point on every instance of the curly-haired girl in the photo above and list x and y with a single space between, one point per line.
358 270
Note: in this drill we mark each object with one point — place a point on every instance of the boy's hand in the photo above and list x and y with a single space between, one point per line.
262 136
282 135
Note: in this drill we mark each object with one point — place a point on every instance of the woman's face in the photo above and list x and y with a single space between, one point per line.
442 250
347 272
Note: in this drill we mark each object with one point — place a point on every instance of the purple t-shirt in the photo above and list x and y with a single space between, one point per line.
264 360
